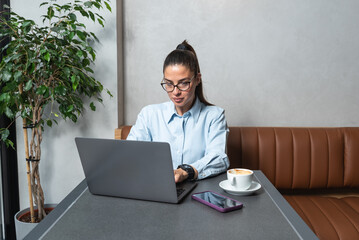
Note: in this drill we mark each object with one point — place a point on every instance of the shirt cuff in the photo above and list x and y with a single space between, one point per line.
207 170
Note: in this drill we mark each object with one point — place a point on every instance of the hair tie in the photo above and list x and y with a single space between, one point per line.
182 47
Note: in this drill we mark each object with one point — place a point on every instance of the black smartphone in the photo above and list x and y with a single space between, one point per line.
217 201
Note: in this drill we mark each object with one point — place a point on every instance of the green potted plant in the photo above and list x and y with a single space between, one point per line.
46 74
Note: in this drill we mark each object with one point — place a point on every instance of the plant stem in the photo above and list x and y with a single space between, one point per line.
28 170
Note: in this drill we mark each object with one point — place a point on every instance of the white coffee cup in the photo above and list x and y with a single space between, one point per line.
240 178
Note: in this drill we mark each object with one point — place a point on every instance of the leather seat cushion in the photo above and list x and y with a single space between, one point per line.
328 217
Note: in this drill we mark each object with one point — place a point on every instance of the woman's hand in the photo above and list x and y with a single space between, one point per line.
181 175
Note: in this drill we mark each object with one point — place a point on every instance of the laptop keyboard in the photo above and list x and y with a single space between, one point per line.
180 191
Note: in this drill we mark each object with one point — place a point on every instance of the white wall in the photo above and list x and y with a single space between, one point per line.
267 63
60 166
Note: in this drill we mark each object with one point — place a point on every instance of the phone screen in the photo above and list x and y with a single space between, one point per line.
218 200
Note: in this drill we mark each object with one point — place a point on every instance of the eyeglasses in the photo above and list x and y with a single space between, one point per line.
182 86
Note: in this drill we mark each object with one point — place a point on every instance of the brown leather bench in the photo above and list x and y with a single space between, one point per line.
316 170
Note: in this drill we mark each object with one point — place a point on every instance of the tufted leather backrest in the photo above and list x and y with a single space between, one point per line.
295 158
298 158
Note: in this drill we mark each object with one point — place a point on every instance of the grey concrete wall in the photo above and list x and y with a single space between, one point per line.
60 167
267 63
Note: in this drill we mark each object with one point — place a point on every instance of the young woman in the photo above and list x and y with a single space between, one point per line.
195 129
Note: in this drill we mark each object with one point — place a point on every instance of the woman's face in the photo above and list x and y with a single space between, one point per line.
183 100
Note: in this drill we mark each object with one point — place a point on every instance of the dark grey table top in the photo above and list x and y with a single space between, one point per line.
81 215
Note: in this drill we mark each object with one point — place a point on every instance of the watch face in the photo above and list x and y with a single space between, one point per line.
189 170
186 167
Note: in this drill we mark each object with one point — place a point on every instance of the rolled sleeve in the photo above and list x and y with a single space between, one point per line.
215 160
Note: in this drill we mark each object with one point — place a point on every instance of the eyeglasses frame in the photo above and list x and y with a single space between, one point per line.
176 86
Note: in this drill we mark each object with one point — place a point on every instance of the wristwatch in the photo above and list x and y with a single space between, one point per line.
188 169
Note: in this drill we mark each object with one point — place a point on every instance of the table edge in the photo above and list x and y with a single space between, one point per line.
45 225
296 222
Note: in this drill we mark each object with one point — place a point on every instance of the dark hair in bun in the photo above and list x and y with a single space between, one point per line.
185 55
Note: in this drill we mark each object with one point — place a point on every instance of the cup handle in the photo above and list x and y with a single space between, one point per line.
232 181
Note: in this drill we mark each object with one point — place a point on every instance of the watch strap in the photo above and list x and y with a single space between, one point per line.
188 169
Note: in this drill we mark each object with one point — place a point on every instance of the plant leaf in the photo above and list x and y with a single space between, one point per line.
92 106
108 6
67 72
56 29
47 56
4 134
41 90
81 35
9 113
73 78
49 123
24 114
31 68
70 108
79 53
26 23
28 86
5 97
88 4
6 76
100 22
89 69
73 117
9 143
93 55
60 90
71 35
72 16
50 12
85 62
17 75
75 82
92 16
109 93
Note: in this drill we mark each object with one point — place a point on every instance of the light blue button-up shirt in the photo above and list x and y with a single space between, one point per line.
198 138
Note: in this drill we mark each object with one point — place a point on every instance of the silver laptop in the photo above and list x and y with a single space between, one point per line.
131 169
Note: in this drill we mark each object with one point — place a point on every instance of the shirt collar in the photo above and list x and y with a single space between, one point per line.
194 111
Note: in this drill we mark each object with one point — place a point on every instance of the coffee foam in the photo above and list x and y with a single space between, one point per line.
240 172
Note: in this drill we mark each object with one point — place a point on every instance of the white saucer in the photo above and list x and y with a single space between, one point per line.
226 186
